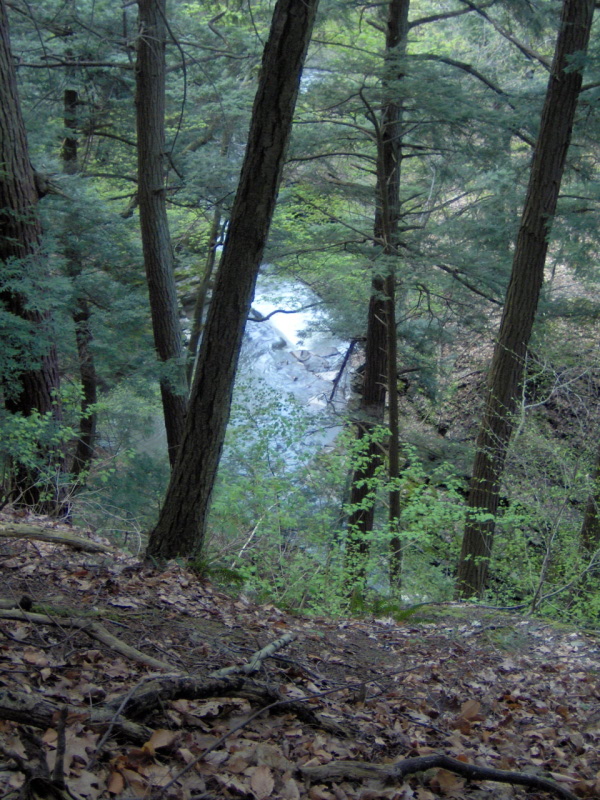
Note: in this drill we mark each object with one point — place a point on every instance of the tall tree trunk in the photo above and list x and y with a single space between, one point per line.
84 449
182 523
506 370
156 241
35 388
381 347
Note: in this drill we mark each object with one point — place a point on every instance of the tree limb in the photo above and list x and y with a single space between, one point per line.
356 770
45 535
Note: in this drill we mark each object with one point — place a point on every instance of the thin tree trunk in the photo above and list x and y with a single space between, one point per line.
198 313
381 348
182 523
84 449
156 241
33 388
506 370
216 230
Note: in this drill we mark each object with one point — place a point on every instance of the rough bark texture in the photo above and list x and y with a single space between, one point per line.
156 241
506 370
381 345
182 523
36 387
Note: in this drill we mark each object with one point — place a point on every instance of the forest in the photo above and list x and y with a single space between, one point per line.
416 182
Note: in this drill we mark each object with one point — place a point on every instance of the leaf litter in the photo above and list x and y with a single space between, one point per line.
484 687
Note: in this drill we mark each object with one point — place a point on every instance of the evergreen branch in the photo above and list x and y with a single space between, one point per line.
95 132
299 159
465 68
446 15
114 175
354 49
455 272
63 62
527 51
366 131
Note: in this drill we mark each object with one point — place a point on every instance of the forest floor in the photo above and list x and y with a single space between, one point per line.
127 651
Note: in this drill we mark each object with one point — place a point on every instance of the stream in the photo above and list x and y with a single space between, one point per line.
293 353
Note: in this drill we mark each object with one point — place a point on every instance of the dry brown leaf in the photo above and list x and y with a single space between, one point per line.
85 784
320 792
134 782
161 738
262 782
448 782
470 709
290 790
116 783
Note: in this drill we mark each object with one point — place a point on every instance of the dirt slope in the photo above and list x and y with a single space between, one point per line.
127 651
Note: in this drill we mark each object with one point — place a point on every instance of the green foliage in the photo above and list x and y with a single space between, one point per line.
276 509
471 109
127 480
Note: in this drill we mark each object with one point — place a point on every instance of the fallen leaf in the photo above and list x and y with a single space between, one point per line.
262 782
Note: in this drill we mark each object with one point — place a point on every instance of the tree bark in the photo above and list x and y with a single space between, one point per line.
506 370
35 386
181 527
156 241
381 346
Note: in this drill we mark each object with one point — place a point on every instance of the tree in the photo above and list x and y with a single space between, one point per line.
182 522
34 384
156 242
380 372
81 314
506 370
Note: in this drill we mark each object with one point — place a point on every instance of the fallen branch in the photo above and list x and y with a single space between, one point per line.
171 687
357 770
36 710
45 535
93 629
257 658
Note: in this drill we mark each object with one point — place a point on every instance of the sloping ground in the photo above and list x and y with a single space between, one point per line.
127 650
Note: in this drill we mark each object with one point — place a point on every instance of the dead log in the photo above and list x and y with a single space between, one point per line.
23 531
36 710
358 770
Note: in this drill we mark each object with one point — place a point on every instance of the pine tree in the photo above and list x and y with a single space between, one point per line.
506 370
182 523
35 383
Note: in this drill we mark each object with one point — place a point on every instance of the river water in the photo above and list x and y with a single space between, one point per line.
292 354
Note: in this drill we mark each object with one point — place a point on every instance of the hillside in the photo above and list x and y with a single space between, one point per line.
164 696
